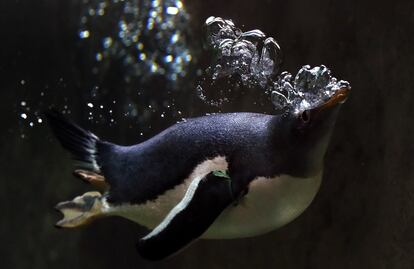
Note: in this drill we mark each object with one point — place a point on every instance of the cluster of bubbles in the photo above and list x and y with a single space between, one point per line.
30 109
255 61
148 36
25 114
309 88
250 54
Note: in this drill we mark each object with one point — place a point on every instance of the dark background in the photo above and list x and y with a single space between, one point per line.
363 216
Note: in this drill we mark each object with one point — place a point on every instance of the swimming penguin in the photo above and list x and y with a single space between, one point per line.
219 176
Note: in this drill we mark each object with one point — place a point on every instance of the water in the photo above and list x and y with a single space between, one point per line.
139 46
364 213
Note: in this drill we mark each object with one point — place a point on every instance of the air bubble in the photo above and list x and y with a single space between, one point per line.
99 57
172 10
107 42
84 34
142 57
168 58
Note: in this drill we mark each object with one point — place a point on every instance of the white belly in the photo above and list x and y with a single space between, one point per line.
270 204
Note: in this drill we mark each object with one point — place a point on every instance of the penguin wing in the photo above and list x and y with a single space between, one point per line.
205 199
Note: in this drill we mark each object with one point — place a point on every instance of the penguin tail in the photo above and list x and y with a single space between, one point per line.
82 144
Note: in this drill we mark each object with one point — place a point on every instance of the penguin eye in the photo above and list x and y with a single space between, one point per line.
305 116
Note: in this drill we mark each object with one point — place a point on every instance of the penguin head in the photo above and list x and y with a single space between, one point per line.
310 129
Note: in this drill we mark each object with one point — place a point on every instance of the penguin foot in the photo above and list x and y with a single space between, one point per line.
95 179
80 211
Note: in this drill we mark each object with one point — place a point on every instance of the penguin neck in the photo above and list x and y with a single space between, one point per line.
315 152
304 157
316 156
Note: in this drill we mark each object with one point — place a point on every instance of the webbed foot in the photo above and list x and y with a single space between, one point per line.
80 211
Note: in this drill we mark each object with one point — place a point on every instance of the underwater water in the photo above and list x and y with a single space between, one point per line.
127 69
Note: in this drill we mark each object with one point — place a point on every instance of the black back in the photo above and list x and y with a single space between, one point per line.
253 144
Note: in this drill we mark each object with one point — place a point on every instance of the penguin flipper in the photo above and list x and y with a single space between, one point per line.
205 199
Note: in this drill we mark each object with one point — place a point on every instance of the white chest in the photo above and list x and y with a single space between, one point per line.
270 204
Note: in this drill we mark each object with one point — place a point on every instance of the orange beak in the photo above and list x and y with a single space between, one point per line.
339 97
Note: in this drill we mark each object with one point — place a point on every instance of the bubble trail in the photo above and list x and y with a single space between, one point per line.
250 54
256 60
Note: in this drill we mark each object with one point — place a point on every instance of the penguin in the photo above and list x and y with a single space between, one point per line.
225 175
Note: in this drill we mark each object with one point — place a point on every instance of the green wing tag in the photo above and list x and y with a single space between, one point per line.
219 173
